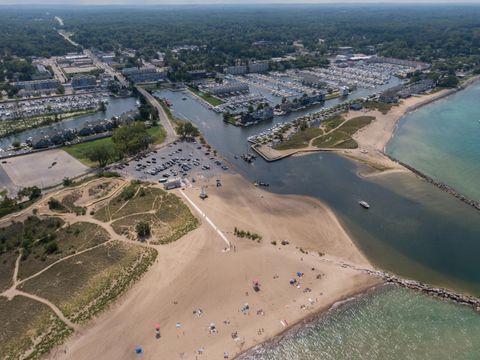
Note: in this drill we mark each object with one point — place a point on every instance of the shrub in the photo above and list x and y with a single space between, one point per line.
51 247
143 229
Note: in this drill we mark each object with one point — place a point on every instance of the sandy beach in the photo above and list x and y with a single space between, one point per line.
197 272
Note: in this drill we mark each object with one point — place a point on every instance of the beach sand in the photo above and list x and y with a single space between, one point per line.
196 272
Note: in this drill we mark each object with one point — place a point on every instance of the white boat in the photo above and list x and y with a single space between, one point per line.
364 204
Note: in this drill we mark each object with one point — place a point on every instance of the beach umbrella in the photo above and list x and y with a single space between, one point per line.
157 326
299 273
256 281
139 351
292 281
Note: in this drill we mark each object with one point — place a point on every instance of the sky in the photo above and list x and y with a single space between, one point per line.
199 2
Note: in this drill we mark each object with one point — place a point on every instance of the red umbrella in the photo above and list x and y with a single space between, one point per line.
256 282
157 326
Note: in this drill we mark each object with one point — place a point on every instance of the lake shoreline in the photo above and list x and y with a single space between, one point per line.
320 313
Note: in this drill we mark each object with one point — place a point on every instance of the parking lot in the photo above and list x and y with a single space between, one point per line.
182 159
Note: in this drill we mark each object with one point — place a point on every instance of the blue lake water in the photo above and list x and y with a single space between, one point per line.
442 140
388 324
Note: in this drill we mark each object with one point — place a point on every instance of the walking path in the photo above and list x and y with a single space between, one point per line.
210 222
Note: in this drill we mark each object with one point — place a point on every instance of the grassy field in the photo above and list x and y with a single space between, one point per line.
301 139
341 138
212 100
84 285
24 322
80 151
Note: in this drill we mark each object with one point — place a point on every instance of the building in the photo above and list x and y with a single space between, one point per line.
236 70
197 74
405 91
257 116
304 101
172 184
345 50
390 96
356 106
84 82
37 87
229 88
41 73
144 74
311 79
258 67
53 138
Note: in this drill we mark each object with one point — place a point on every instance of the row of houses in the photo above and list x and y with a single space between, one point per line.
91 128
393 95
304 101
62 137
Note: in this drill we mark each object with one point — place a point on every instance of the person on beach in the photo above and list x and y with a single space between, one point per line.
225 355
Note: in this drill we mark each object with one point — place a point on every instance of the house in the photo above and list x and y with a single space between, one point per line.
172 184
356 107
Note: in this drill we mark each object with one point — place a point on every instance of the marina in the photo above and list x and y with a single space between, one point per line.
115 107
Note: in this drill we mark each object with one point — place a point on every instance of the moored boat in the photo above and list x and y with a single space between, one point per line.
364 204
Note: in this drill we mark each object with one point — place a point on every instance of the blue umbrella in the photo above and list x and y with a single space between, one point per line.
139 350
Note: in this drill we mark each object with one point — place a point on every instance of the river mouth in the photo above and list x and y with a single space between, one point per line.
412 228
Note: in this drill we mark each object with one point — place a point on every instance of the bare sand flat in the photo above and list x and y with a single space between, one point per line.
197 273
37 169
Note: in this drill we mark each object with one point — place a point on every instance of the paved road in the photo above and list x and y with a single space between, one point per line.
171 134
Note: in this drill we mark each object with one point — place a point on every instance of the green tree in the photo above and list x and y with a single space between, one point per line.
187 129
32 193
131 139
100 153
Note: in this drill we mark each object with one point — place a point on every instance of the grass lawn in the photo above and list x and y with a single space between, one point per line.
80 151
332 96
342 137
212 100
300 139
